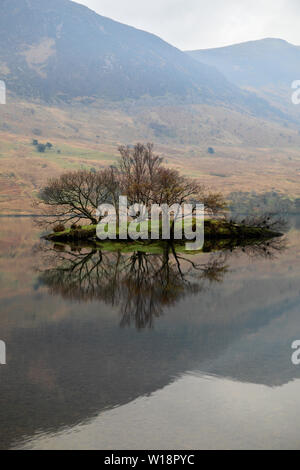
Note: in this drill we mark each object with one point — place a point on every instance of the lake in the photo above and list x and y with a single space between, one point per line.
148 351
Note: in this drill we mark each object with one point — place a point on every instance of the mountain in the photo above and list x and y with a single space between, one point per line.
88 84
258 64
58 49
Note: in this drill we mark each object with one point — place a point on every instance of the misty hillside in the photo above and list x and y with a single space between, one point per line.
268 62
54 49
59 48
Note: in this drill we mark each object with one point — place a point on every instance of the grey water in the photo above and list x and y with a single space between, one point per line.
145 351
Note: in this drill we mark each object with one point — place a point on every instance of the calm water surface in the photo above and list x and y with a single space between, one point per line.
117 351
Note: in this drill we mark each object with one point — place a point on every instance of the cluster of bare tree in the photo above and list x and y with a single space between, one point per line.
140 175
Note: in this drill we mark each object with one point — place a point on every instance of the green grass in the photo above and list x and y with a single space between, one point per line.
219 235
70 157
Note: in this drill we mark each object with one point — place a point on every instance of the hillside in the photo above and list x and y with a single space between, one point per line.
87 84
58 50
259 64
249 153
267 67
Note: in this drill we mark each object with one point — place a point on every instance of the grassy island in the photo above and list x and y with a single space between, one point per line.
141 178
218 233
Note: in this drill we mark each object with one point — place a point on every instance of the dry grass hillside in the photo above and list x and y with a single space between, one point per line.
249 153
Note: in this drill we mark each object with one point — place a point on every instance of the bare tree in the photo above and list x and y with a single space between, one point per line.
145 180
138 167
75 196
111 181
140 176
169 187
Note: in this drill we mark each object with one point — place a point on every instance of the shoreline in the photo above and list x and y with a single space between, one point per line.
213 230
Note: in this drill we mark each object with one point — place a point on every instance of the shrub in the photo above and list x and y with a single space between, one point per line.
41 148
74 227
59 228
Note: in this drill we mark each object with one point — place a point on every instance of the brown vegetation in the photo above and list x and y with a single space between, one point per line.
139 175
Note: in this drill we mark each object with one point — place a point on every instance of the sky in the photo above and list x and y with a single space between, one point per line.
201 24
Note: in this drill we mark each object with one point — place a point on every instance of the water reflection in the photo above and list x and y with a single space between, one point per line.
141 284
69 362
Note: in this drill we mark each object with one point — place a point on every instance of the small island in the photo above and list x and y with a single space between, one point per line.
70 204
215 231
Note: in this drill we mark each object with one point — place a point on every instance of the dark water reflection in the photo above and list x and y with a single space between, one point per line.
140 284
74 378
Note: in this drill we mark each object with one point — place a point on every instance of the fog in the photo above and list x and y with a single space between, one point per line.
197 24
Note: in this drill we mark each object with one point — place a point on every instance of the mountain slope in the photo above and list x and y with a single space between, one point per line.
54 49
51 48
264 63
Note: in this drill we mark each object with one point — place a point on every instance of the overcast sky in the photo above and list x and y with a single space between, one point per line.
196 24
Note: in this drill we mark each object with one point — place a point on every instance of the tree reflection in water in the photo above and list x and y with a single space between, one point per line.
141 284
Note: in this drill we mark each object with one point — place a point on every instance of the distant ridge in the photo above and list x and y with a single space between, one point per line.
257 64
60 50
